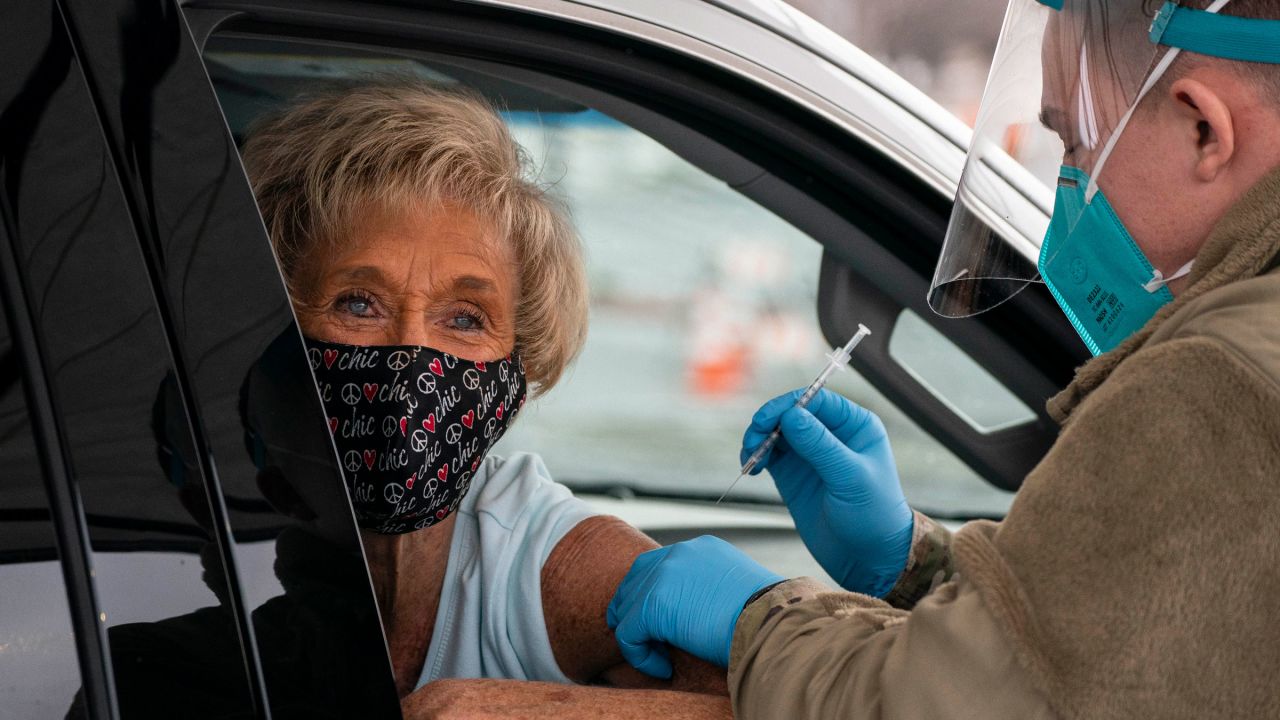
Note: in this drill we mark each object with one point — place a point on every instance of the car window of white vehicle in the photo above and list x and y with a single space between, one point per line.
875 208
703 300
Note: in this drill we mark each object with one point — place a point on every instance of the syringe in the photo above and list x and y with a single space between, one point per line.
837 360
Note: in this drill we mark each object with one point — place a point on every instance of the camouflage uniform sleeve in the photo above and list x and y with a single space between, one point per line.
762 607
802 650
928 565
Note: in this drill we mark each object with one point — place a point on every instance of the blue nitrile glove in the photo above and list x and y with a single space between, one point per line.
688 595
835 471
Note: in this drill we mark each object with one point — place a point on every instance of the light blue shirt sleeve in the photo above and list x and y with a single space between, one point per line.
490 622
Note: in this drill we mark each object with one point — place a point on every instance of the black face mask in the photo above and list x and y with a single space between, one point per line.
411 425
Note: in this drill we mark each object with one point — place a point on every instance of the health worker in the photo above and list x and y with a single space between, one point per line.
1137 574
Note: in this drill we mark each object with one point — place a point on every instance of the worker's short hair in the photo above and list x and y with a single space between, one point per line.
1265 75
321 166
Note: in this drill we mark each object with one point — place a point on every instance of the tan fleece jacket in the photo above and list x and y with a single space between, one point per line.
1136 573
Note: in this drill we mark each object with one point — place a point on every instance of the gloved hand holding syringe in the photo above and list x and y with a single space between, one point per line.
837 360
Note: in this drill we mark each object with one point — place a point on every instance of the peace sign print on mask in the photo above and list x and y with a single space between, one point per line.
413 423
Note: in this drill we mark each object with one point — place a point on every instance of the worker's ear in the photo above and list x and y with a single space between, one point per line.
1206 125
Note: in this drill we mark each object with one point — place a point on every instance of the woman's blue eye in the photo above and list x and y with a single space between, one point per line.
356 305
467 322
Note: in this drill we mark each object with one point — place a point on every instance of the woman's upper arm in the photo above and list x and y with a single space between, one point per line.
578 581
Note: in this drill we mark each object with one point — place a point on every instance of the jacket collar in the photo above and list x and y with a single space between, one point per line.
1243 245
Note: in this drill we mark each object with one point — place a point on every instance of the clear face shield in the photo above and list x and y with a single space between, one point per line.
1066 78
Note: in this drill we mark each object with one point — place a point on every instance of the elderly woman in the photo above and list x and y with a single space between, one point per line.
434 284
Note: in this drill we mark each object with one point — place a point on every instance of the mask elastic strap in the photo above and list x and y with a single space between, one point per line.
1161 68
1158 280
1088 118
1154 78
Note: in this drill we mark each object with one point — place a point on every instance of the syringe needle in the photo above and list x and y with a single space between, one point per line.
837 360
726 492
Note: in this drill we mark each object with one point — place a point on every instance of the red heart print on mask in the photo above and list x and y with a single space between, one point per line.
369 457
475 465
480 366
408 484
333 426
430 423
436 367
404 425
443 472
441 513
370 389
469 419
329 357
500 410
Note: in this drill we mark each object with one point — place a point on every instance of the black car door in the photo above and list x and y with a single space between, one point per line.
151 373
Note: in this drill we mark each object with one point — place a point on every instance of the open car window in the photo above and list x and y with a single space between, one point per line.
703 301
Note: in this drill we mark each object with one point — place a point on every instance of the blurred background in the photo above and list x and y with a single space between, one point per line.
703 302
942 47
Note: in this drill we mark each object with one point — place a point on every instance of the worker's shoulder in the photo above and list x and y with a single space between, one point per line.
1241 318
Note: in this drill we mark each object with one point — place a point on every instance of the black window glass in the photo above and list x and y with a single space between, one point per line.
125 437
168 348
38 669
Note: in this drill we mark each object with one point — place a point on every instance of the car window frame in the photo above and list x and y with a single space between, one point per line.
71 535
874 217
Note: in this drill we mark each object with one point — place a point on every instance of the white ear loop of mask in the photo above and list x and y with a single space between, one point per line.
1158 280
1086 118
1155 76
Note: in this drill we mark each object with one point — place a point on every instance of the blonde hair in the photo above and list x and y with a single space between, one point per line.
319 166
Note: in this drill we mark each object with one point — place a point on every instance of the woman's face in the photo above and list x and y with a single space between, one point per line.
439 278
